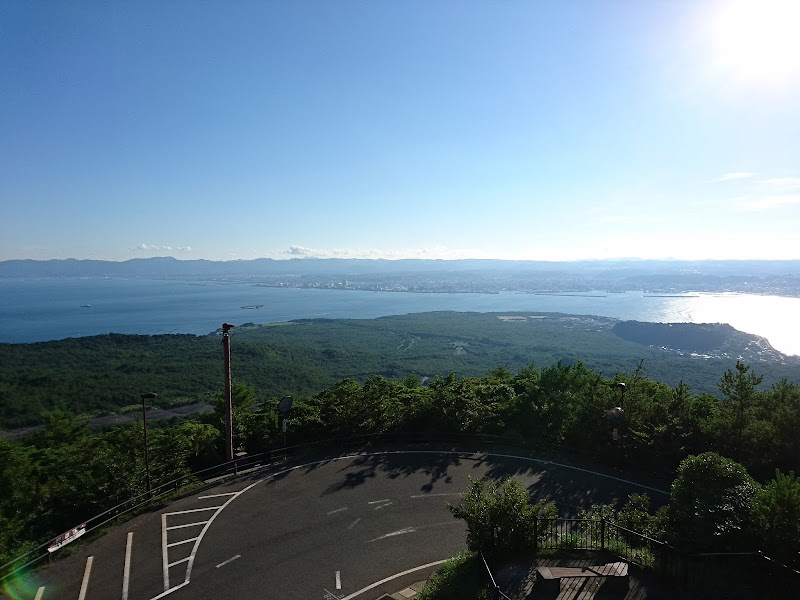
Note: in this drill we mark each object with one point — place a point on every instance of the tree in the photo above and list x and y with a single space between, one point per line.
499 515
243 398
739 391
712 504
777 510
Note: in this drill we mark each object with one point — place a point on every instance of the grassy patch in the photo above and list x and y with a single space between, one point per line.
460 578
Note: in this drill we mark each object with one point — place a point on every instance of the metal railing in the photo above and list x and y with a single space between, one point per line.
498 593
215 474
600 534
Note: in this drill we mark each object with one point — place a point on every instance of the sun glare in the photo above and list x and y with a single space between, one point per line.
758 40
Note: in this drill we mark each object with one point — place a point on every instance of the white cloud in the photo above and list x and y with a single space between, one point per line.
155 248
782 184
768 202
734 176
436 252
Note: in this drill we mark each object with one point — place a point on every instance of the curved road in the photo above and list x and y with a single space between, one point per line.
325 530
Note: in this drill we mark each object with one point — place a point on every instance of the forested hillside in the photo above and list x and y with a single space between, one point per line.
100 374
58 477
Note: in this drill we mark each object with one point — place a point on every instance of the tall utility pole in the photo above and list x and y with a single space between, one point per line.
145 397
226 350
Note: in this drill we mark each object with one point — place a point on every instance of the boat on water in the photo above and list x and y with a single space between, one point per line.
86 306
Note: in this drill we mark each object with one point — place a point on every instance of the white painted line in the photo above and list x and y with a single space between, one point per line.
217 495
164 562
353 524
394 533
178 562
333 512
193 510
85 583
181 542
549 462
378 501
330 595
169 591
39 593
391 452
338 580
381 505
126 571
437 495
230 560
382 581
187 525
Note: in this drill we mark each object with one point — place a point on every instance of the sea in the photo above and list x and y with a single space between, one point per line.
37 310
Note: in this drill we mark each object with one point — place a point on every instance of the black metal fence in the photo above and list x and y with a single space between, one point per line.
216 474
696 572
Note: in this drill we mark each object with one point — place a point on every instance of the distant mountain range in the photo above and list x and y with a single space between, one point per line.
610 269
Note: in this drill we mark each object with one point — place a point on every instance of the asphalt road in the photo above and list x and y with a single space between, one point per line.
320 531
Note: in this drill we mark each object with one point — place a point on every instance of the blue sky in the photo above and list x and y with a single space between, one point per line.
542 130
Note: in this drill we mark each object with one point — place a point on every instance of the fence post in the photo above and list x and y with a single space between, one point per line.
602 533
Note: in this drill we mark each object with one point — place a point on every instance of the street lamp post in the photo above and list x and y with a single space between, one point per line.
621 387
226 350
145 397
617 418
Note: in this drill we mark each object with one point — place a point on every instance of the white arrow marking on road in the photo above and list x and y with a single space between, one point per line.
394 533
338 580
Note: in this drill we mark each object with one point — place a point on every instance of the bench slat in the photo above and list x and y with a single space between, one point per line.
617 569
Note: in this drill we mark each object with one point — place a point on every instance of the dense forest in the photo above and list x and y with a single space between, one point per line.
103 374
59 476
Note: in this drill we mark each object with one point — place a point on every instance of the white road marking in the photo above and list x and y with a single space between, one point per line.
39 593
164 562
217 495
378 501
394 533
333 512
338 580
85 583
187 525
169 591
391 452
181 542
230 560
330 595
381 505
126 570
414 529
437 495
382 581
193 510
353 524
178 562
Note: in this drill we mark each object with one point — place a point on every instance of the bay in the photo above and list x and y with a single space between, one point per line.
35 310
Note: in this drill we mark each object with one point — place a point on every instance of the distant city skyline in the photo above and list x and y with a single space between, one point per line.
510 130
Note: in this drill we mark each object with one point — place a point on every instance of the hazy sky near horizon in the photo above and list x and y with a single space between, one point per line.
549 130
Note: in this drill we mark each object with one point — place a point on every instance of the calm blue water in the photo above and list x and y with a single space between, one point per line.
47 309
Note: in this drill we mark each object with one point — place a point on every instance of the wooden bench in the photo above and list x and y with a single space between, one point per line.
615 574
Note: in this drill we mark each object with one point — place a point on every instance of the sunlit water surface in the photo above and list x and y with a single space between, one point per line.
47 309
